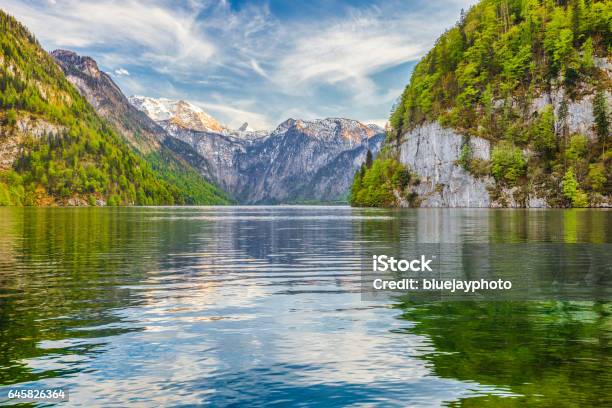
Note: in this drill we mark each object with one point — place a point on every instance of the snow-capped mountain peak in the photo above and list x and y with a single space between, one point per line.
180 113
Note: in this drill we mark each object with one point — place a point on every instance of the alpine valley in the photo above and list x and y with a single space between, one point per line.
298 162
69 136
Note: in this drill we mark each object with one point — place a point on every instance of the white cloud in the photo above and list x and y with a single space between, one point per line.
235 117
122 72
258 69
194 49
345 51
143 32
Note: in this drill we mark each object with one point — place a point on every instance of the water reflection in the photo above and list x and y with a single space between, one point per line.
258 305
548 353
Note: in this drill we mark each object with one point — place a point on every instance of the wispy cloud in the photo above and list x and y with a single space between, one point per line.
145 32
257 68
348 50
238 116
122 72
254 62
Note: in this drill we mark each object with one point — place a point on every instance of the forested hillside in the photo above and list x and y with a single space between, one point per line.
54 148
514 72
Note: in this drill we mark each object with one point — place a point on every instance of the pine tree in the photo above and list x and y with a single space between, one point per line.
369 159
602 122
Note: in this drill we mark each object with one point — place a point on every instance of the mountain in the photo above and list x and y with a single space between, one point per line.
54 148
166 155
109 102
511 108
68 136
179 113
299 161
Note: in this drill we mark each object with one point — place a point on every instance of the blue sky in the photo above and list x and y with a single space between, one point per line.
255 61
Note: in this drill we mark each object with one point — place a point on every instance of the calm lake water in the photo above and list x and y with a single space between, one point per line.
262 305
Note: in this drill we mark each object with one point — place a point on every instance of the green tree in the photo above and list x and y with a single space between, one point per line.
587 54
369 159
597 177
380 185
578 147
11 117
602 121
571 190
543 131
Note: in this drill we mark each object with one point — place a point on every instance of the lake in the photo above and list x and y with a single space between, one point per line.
262 305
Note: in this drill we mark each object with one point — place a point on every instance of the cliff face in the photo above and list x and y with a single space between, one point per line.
109 102
433 153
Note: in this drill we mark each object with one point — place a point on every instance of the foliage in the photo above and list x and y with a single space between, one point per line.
507 163
597 177
376 187
499 50
11 189
465 155
577 149
571 190
11 117
543 132
193 189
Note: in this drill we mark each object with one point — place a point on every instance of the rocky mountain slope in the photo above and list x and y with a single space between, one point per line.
107 99
165 154
511 108
54 148
300 161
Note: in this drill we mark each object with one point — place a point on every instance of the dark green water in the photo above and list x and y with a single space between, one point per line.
261 305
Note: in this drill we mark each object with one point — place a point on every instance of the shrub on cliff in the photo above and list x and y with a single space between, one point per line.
507 163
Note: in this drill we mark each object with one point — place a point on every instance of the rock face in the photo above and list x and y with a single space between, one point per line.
579 112
12 138
108 100
433 152
300 161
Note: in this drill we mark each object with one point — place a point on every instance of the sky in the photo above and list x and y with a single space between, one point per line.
260 62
